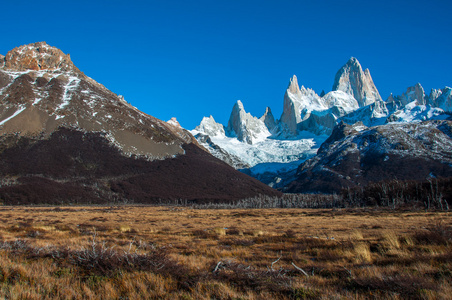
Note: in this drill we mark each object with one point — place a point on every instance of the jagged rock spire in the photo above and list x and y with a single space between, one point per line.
269 119
244 126
209 126
293 85
352 80
414 93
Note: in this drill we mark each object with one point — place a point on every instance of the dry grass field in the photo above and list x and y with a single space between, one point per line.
146 252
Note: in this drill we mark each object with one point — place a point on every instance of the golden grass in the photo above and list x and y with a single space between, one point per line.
223 254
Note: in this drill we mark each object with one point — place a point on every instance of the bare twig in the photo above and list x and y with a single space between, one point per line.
275 262
300 269
216 268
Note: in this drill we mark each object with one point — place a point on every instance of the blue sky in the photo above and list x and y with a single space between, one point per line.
189 59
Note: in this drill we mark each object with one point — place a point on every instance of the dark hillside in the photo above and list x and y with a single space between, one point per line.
72 166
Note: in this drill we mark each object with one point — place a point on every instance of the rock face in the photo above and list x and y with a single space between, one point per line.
414 93
304 110
355 155
298 104
39 56
245 127
269 120
352 80
442 99
57 123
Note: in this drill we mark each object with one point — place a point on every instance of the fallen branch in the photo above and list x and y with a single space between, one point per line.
300 269
275 262
216 268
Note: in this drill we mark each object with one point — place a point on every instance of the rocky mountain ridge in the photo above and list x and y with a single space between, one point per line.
309 119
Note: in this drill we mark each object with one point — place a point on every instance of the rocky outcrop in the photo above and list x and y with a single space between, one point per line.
39 56
352 80
413 93
290 116
245 127
269 120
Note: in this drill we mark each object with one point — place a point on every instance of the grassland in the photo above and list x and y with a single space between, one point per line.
146 252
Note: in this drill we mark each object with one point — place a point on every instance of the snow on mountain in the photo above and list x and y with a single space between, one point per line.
304 110
413 93
413 112
267 150
245 127
272 149
247 141
173 121
373 114
352 80
298 104
442 99
209 127
355 155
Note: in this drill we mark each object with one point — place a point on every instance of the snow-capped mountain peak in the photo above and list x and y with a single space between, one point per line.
308 119
245 127
352 80
210 127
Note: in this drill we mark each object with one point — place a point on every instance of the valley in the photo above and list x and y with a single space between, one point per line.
176 252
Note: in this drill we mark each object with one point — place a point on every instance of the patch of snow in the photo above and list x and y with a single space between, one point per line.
21 109
69 89
268 150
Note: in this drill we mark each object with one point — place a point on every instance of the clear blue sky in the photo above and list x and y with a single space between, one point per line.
189 59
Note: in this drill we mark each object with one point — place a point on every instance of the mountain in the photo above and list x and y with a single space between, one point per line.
442 99
304 110
352 80
245 127
308 120
246 141
355 155
65 138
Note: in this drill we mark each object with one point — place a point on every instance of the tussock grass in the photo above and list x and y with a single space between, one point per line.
138 252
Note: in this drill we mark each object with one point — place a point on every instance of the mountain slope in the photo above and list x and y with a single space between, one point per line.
61 127
355 155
